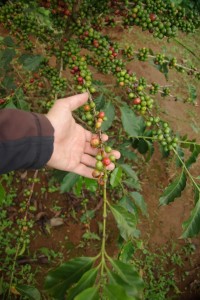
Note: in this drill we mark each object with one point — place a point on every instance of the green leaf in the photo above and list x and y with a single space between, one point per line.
116 292
192 93
140 202
6 56
2 192
192 225
130 289
129 171
143 146
128 204
8 41
196 193
88 235
132 184
116 176
8 83
173 190
19 100
126 222
192 159
68 182
88 294
100 102
30 62
28 291
58 281
126 151
163 69
86 281
109 110
127 251
181 155
90 184
127 272
133 125
133 181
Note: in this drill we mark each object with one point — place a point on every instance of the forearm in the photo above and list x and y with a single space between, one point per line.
26 140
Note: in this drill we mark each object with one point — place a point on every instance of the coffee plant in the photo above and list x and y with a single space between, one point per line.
53 48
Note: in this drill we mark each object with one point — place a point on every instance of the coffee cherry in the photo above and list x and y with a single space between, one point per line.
108 149
98 125
99 157
112 158
99 165
95 142
136 101
86 107
96 173
101 114
2 101
152 17
106 161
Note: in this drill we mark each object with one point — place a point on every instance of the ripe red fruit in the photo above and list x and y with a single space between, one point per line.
95 142
40 84
36 75
152 17
32 80
136 101
2 101
101 114
75 68
106 161
80 79
67 12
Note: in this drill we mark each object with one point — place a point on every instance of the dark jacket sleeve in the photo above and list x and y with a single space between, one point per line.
26 140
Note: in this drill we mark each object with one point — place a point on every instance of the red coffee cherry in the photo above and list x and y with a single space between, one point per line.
106 161
95 142
136 101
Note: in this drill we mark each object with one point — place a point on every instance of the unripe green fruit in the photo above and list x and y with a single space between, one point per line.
99 166
99 157
108 149
112 158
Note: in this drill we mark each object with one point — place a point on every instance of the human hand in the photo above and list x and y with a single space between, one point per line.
72 151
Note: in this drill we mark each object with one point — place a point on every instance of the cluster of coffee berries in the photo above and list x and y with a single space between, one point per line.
81 73
143 54
162 18
162 133
165 91
143 103
104 157
125 77
154 88
106 53
58 84
128 51
91 116
23 23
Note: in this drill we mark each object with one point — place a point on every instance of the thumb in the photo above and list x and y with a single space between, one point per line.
76 101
